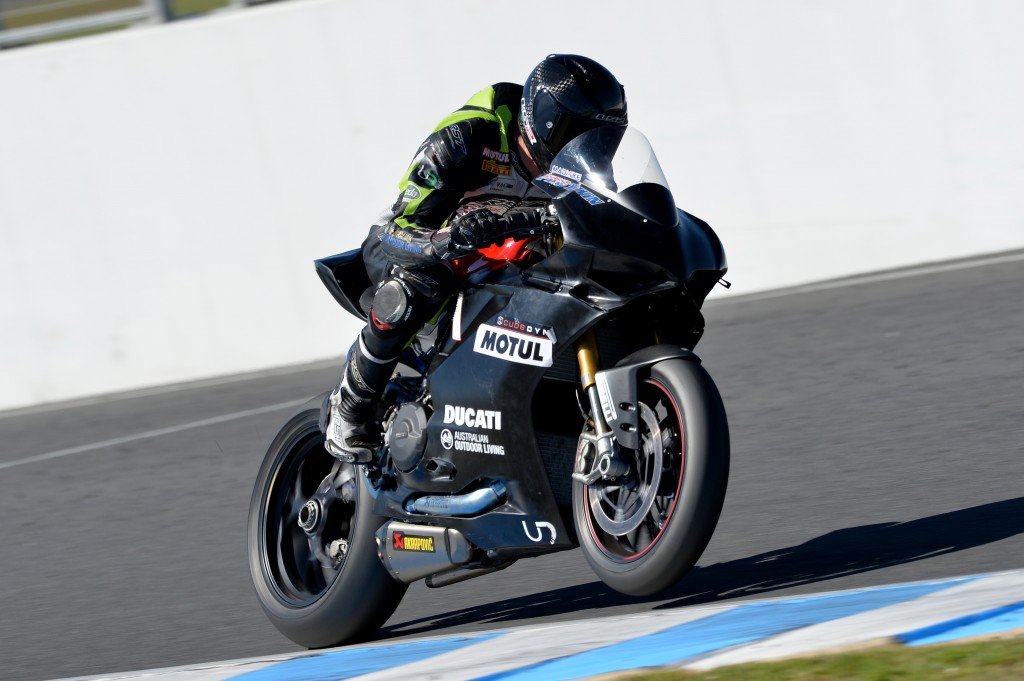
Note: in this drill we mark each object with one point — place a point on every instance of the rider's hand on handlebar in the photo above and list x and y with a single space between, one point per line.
481 228
476 229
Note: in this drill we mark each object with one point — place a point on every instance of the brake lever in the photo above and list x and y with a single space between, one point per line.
549 218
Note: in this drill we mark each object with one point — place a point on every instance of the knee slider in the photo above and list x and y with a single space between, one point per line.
392 304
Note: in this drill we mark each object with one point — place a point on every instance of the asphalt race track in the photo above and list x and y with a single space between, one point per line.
878 437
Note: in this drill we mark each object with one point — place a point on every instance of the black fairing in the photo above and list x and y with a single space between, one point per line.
467 378
345 277
703 260
615 228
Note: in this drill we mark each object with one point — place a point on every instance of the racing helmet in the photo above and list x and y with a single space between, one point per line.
565 96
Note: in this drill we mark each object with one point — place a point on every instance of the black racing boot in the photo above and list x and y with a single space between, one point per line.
349 428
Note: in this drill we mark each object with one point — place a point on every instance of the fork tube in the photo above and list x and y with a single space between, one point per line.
589 361
586 355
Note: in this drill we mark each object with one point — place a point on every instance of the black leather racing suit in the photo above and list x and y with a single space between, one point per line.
469 162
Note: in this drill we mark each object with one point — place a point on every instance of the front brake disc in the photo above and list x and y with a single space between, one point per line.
631 504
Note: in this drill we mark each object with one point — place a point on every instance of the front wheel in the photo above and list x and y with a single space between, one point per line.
312 552
642 532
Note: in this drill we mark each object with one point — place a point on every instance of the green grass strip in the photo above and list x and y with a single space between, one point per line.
32 14
998 660
22 14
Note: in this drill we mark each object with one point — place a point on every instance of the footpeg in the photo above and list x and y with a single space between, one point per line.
362 455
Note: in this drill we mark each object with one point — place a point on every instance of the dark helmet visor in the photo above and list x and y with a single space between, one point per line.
553 126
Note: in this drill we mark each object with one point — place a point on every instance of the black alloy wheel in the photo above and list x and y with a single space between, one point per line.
312 550
644 530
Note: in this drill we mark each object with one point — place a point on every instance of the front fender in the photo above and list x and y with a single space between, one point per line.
617 389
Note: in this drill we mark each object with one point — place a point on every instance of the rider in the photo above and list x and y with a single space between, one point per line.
473 169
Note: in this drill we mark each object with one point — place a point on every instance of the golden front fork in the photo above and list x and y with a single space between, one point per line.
590 364
590 361
586 355
598 456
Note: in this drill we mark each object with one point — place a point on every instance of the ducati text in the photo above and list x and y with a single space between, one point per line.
472 418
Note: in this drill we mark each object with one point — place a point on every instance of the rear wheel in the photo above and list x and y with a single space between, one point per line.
642 532
312 551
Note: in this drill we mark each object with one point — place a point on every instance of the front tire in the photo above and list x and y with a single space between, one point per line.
642 533
322 584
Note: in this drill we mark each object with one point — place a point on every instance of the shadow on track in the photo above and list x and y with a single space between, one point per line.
840 553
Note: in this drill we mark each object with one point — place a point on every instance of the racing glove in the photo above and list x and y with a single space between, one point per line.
476 229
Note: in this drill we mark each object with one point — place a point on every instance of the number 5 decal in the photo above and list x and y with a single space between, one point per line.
540 532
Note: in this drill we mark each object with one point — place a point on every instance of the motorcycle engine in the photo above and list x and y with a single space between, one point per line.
408 435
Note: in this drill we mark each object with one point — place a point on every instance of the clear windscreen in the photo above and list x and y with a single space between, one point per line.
612 164
609 160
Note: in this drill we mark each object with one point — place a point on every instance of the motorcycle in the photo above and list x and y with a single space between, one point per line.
554 403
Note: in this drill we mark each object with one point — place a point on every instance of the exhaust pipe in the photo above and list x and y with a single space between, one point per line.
461 504
411 552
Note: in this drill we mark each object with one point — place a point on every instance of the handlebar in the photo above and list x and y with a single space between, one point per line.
521 224
530 222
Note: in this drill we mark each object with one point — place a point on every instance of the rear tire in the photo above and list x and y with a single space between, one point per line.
312 604
674 496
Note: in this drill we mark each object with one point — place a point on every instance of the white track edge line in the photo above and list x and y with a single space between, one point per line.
152 433
871 278
169 388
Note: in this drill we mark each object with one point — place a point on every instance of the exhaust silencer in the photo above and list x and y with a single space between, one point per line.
411 552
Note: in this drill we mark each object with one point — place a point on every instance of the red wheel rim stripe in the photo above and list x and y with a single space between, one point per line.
675 500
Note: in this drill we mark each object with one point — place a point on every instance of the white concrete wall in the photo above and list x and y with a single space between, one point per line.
164 190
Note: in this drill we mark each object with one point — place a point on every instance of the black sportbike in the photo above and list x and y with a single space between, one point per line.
554 403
